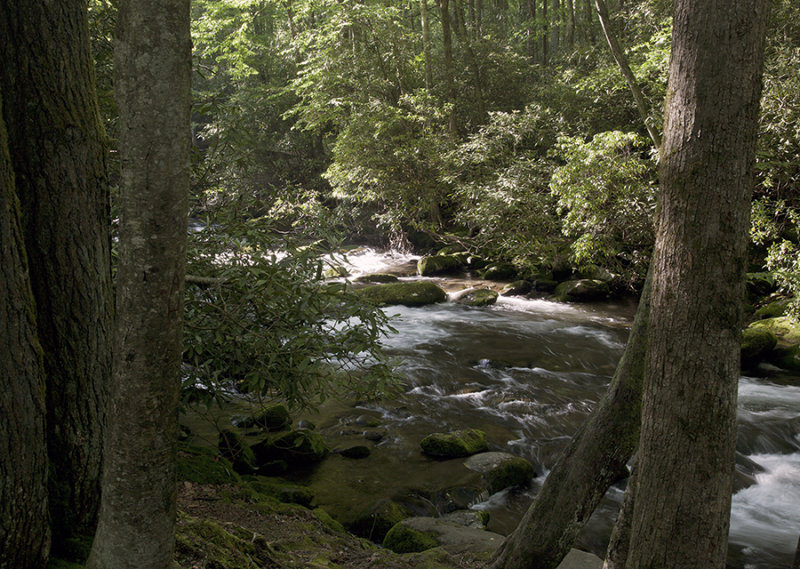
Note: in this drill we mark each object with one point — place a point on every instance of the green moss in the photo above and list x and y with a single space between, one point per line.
327 520
375 524
202 466
233 446
403 539
499 272
788 358
377 278
439 264
757 343
774 309
300 447
272 418
583 290
411 293
209 544
478 297
785 329
513 472
454 445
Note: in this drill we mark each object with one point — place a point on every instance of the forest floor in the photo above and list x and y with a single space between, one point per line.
227 527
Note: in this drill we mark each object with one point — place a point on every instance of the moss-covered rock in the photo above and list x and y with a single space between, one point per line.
439 264
582 290
477 297
499 272
515 471
327 520
356 452
403 539
377 278
412 293
785 329
335 272
231 445
205 543
774 309
757 343
272 418
517 288
455 444
204 466
300 447
376 522
787 358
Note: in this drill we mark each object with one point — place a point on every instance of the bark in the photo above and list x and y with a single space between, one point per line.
593 461
152 82
622 62
24 530
686 455
57 150
426 43
472 61
545 35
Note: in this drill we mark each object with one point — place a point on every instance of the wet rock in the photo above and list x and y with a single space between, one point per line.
582 290
453 537
439 264
300 447
499 272
271 418
501 470
455 498
412 293
477 297
757 343
788 358
231 445
745 474
455 444
374 435
356 452
377 278
468 518
517 288
335 272
404 539
368 421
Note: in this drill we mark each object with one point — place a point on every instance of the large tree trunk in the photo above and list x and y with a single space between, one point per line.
24 529
449 79
686 456
152 83
594 460
426 43
58 155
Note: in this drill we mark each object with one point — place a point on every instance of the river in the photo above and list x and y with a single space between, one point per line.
529 371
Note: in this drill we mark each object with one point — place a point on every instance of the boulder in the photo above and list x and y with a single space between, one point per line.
517 288
271 418
455 444
582 290
757 343
787 331
377 278
231 445
439 264
404 539
501 470
760 284
787 358
774 309
499 272
300 447
376 523
356 452
410 293
453 537
477 297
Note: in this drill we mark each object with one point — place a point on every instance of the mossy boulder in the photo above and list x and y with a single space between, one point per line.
774 309
298 448
582 290
455 444
517 288
411 293
477 297
404 539
377 278
439 264
356 452
787 358
501 470
499 272
785 329
757 343
271 418
335 272
232 445
376 522
204 466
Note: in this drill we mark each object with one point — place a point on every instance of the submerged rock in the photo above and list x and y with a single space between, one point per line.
477 297
455 444
582 290
413 293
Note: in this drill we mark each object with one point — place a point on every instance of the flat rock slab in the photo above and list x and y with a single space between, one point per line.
577 559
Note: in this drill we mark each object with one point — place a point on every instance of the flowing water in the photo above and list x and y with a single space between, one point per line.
528 372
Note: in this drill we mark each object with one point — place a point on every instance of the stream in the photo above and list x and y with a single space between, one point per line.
528 372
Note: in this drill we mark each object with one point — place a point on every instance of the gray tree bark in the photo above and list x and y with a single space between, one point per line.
153 88
24 528
685 463
57 149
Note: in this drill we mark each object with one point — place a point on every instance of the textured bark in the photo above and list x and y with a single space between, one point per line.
152 83
447 46
24 530
426 43
593 461
686 454
57 152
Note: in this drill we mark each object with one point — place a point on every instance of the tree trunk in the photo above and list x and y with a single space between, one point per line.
24 529
152 83
472 61
447 43
686 456
426 43
545 35
58 155
594 460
